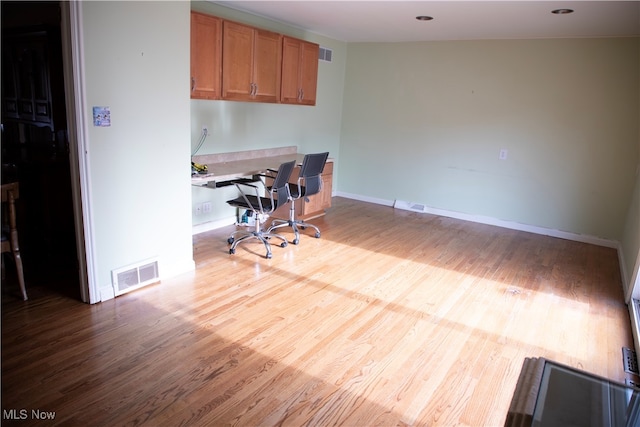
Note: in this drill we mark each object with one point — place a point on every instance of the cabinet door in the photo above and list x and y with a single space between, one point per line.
26 88
206 56
299 71
250 64
237 61
291 53
321 201
9 82
327 189
309 73
267 66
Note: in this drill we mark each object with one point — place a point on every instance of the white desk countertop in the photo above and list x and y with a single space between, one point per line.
227 166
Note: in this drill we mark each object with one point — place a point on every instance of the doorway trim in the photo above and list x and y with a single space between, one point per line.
74 77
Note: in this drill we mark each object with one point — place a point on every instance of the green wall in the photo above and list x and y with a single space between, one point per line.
424 122
136 61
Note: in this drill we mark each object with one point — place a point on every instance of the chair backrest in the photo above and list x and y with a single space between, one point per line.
313 164
310 171
280 187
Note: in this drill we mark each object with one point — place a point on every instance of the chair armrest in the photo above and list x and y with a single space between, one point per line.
249 183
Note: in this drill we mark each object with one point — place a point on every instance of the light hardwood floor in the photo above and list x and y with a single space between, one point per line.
391 318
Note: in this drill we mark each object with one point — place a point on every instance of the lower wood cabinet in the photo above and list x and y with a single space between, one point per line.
317 204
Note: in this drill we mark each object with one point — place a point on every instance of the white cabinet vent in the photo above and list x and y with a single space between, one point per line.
325 54
134 276
409 206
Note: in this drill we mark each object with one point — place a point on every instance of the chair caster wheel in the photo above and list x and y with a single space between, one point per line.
283 244
317 235
268 256
295 241
230 240
232 251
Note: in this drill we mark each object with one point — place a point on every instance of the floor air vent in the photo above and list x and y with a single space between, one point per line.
135 276
629 361
409 206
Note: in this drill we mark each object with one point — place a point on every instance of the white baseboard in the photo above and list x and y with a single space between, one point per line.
212 225
175 268
107 293
497 222
368 199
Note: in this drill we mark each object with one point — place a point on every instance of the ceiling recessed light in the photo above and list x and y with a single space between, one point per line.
424 18
562 11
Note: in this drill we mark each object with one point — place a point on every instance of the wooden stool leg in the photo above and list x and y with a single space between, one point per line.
15 249
18 259
9 195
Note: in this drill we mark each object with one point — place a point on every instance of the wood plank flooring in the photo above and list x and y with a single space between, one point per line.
391 318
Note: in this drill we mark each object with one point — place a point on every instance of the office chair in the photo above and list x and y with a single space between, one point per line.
10 192
278 194
309 183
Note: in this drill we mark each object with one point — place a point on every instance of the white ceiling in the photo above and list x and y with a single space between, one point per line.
394 21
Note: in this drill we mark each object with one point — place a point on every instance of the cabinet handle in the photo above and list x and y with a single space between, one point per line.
255 89
301 94
193 84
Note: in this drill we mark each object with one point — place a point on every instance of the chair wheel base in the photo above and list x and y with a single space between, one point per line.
295 241
230 240
268 256
232 251
317 235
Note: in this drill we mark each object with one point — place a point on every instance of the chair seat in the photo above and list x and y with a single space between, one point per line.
261 207
293 189
241 202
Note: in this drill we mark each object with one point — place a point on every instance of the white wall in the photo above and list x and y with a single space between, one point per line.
136 61
424 122
238 126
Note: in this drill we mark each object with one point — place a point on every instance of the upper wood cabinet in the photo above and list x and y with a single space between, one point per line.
237 62
206 56
251 63
299 71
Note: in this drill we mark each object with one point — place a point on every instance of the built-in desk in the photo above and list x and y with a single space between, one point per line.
225 167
